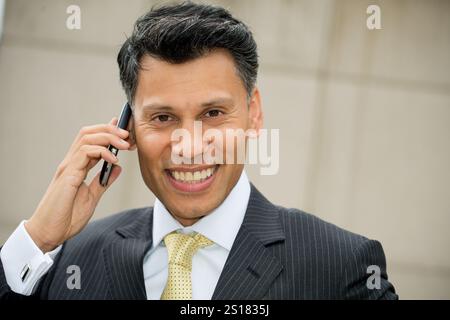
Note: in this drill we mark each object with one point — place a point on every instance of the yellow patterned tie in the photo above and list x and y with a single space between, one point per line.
181 248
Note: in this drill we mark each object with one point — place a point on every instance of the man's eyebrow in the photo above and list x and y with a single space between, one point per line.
213 102
157 106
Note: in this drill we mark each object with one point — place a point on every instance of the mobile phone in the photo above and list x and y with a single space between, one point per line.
124 118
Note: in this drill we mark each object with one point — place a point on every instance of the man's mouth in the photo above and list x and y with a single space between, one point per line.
187 179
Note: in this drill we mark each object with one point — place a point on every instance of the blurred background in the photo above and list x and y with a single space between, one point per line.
364 115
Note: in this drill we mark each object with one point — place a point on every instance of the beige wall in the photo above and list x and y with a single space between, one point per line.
364 116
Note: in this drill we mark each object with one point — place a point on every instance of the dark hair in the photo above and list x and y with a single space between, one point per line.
178 33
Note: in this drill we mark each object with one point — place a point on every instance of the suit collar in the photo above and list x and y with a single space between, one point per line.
262 218
140 226
251 268
124 257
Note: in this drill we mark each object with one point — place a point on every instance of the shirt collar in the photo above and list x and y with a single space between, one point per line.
229 213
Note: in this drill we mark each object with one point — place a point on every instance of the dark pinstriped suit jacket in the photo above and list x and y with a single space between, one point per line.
278 253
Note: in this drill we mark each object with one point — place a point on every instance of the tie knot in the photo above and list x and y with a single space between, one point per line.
182 247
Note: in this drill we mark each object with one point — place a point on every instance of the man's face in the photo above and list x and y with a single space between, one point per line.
173 96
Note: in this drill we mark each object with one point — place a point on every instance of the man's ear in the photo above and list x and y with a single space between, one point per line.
256 116
132 137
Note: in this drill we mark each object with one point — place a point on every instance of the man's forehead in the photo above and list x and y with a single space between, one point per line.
206 80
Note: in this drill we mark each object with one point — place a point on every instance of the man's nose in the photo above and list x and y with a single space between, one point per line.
190 147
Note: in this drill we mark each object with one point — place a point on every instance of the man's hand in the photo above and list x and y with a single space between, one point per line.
69 202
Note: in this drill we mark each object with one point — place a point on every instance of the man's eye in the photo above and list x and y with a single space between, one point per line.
162 118
213 113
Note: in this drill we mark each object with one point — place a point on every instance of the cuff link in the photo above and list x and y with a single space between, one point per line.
25 272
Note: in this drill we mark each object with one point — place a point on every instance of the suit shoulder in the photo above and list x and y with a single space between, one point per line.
313 229
322 252
102 229
118 219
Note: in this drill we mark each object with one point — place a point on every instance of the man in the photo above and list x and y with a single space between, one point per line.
210 233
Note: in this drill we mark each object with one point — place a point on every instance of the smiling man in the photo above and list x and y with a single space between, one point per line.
210 234
171 96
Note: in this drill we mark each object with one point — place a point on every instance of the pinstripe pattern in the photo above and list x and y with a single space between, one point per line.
278 253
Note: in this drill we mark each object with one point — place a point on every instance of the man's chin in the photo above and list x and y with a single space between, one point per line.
188 215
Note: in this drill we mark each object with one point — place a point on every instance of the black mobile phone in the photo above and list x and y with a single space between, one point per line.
124 118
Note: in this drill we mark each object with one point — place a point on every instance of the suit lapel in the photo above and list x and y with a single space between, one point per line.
124 258
251 268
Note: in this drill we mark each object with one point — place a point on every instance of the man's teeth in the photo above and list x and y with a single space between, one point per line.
192 177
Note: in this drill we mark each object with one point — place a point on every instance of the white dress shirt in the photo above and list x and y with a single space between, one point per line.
23 262
221 226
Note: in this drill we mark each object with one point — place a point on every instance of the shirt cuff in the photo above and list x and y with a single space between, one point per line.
23 262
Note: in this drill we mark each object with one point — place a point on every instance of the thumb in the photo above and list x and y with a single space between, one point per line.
96 189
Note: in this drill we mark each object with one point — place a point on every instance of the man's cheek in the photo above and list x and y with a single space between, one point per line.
234 148
153 144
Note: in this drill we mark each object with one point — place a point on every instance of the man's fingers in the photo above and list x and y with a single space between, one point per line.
96 189
110 127
114 121
105 139
83 154
99 128
87 153
92 163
